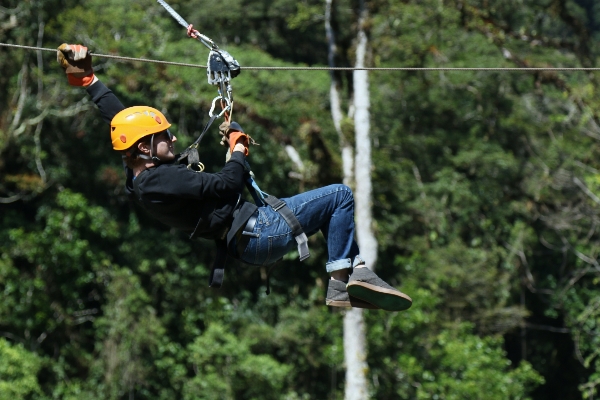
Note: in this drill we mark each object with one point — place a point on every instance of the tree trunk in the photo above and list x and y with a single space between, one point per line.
363 194
355 351
354 330
355 355
336 104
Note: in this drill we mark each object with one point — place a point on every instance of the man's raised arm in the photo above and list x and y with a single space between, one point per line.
76 60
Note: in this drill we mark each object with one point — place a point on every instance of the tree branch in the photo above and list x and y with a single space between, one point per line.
547 328
585 190
497 32
21 100
11 199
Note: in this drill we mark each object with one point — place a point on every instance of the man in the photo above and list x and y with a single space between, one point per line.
210 205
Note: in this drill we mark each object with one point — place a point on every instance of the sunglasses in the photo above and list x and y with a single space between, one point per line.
169 134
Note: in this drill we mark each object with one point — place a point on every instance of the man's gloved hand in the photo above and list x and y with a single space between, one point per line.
234 134
238 137
76 60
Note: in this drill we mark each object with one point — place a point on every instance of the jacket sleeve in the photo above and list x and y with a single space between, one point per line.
182 182
109 105
106 101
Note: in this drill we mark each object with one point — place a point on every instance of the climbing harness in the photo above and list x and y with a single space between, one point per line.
221 69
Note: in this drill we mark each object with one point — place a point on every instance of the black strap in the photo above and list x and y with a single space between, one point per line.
268 290
191 153
192 159
215 280
243 238
289 217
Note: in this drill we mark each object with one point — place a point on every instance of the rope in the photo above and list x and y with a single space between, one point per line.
147 60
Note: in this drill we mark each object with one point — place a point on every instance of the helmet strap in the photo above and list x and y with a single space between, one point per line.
154 158
138 154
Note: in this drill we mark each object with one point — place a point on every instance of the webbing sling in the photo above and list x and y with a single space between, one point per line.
217 272
218 269
190 156
294 224
286 213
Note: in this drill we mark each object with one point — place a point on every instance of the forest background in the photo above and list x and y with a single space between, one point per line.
486 202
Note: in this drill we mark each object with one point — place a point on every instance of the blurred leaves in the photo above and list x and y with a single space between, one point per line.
18 372
485 198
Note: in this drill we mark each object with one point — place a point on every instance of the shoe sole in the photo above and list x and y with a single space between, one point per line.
352 303
386 299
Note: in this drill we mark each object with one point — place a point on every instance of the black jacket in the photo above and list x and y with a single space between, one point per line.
201 204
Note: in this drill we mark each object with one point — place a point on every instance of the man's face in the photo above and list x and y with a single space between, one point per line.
163 145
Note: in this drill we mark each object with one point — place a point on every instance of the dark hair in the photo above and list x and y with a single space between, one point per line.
131 155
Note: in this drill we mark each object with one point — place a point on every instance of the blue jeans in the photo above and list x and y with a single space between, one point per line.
329 210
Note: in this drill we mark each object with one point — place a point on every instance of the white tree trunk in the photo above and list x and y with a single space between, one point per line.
336 104
355 355
355 351
362 125
355 347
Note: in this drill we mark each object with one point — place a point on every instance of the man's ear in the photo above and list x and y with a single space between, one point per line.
144 147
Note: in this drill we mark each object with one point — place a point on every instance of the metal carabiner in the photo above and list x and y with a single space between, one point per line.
198 167
214 103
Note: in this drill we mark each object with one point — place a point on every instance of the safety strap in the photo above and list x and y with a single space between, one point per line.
191 153
268 290
289 217
257 194
217 272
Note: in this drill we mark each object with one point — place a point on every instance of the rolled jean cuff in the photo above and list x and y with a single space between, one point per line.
336 265
344 263
357 261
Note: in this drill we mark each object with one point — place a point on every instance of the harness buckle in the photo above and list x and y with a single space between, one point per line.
278 205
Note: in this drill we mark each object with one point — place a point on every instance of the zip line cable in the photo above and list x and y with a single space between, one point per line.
147 60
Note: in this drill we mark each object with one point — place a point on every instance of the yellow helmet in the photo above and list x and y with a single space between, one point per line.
133 123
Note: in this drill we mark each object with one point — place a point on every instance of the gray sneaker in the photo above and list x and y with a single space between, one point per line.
337 296
364 284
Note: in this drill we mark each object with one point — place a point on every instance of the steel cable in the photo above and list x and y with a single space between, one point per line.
179 64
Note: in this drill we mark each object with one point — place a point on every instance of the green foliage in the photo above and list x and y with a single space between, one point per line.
448 361
225 368
128 329
18 372
485 200
470 367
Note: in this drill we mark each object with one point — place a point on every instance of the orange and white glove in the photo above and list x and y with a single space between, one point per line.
76 60
232 134
236 137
